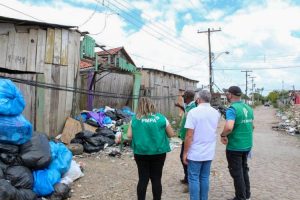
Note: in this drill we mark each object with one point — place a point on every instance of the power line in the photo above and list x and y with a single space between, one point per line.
162 27
21 12
80 90
91 16
131 19
258 68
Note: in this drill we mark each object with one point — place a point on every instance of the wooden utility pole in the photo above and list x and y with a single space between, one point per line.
253 85
209 55
246 90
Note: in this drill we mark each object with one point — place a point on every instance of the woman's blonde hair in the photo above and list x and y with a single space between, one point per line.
145 107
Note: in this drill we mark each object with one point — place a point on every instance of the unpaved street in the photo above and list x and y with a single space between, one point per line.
274 170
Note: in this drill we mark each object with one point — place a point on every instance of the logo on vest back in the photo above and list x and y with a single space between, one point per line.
245 112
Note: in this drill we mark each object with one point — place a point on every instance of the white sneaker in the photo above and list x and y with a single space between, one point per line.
248 199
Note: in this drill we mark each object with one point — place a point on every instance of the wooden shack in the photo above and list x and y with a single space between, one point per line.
43 59
165 89
114 80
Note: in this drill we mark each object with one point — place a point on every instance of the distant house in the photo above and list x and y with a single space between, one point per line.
114 77
295 96
43 59
165 89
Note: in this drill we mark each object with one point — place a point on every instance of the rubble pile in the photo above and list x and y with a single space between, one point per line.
31 166
289 120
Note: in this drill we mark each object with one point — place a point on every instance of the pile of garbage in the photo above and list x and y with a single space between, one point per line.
289 120
111 124
31 166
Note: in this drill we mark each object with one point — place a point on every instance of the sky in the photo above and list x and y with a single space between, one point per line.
258 35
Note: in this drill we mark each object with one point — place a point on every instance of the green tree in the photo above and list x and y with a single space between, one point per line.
273 97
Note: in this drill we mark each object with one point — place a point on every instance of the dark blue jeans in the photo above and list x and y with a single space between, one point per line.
238 169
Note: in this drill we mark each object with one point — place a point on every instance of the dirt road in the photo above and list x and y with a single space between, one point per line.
274 170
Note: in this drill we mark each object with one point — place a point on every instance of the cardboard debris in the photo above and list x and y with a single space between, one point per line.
72 127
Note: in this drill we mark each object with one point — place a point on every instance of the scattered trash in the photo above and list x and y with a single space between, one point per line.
290 121
73 174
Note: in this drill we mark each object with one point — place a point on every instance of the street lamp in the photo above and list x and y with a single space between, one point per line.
214 58
219 54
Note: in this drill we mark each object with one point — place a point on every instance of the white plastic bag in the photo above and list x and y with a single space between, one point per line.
73 174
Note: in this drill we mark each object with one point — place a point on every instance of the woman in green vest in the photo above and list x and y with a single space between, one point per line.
150 132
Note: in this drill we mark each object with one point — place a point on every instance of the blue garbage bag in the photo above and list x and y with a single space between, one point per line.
44 181
127 111
11 99
15 129
106 120
61 157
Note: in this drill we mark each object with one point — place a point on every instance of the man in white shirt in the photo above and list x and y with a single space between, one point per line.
200 144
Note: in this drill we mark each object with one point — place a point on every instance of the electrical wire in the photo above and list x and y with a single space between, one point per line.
165 31
91 16
258 68
129 18
21 12
81 91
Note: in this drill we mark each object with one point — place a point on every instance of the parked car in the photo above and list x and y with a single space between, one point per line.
267 104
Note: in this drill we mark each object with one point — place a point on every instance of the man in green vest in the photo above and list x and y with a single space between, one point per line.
237 135
189 103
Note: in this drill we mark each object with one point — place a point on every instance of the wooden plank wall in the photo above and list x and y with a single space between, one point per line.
55 54
166 86
111 84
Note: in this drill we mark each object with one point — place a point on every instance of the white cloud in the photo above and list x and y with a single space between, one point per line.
256 36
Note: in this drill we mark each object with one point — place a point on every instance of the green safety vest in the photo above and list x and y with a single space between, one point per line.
149 136
183 130
241 137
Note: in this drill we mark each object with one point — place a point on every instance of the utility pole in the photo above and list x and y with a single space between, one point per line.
246 91
253 85
209 55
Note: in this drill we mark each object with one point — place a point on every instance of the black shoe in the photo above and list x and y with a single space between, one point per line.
183 181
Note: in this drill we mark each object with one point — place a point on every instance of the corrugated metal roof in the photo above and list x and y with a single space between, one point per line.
157 70
29 23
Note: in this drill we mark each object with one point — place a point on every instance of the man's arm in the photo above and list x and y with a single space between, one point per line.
227 128
187 143
180 106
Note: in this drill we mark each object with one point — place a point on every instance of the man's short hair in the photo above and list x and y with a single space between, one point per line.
189 94
204 95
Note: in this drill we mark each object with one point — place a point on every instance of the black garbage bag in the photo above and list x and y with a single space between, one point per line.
92 123
61 191
120 114
25 194
77 141
99 139
95 141
7 191
111 114
89 148
84 134
1 174
36 153
10 159
3 166
20 177
9 148
106 132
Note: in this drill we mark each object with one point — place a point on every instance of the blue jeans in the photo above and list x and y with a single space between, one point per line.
198 175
